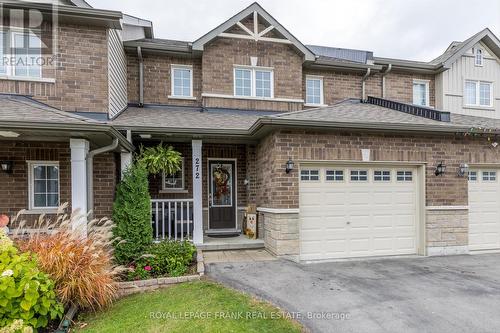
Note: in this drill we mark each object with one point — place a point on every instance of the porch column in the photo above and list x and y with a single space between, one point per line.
197 193
126 158
79 151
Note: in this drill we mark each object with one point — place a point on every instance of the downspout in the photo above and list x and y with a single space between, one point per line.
363 88
389 68
141 76
90 173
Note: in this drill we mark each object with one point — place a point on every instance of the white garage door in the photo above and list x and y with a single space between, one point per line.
357 211
484 209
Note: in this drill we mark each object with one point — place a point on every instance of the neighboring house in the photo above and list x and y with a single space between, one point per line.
342 152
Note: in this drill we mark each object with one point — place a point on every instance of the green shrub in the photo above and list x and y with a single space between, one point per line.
132 215
26 293
166 258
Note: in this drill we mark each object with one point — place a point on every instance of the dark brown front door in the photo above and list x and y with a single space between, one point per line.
222 197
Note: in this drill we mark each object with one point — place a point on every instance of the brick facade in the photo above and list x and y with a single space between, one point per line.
80 71
280 190
157 79
399 86
14 194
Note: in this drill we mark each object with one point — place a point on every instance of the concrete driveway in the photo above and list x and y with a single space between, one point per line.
438 294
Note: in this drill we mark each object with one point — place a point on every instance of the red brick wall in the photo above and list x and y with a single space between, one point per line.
157 76
399 86
81 72
280 190
14 192
220 56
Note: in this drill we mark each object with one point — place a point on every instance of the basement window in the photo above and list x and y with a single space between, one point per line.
43 185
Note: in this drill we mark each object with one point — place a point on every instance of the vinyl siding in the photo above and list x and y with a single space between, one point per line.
452 82
117 73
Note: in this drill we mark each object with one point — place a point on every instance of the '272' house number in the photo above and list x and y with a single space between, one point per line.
197 168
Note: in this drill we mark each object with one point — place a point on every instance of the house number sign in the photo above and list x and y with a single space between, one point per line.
197 168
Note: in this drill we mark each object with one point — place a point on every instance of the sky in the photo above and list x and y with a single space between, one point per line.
407 29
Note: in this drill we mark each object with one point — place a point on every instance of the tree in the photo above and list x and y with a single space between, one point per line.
132 214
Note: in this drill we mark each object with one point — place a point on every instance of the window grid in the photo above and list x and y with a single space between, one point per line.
182 81
382 175
479 57
24 57
472 176
335 175
253 82
309 175
175 181
478 93
359 175
44 185
3 67
404 176
489 176
314 90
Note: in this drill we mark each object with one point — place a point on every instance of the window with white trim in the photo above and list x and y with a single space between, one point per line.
253 82
478 93
43 185
24 58
314 90
309 175
382 175
335 175
478 57
359 175
404 176
182 81
174 182
421 92
489 176
472 176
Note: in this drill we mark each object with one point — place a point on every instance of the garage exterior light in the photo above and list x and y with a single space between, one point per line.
289 166
6 166
440 169
463 169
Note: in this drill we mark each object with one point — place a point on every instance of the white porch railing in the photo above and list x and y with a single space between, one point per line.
172 219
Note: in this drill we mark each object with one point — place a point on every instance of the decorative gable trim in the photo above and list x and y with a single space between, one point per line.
253 34
486 37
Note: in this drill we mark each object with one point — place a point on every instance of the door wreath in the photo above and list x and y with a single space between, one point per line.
221 178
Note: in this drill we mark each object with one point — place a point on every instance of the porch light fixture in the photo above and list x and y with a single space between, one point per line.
289 166
440 169
6 166
463 169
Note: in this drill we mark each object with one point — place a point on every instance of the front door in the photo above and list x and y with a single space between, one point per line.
222 197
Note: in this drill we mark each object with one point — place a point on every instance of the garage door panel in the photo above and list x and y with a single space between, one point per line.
484 213
357 218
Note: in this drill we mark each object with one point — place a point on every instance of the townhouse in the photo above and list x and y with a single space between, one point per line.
344 154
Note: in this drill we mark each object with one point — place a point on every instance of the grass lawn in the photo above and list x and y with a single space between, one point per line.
181 308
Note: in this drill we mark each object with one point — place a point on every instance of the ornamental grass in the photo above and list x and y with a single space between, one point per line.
82 268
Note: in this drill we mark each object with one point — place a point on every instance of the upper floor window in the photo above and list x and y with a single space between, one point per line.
314 90
20 53
253 82
182 81
478 57
478 93
421 92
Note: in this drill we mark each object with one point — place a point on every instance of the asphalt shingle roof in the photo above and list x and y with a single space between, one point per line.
188 117
17 108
